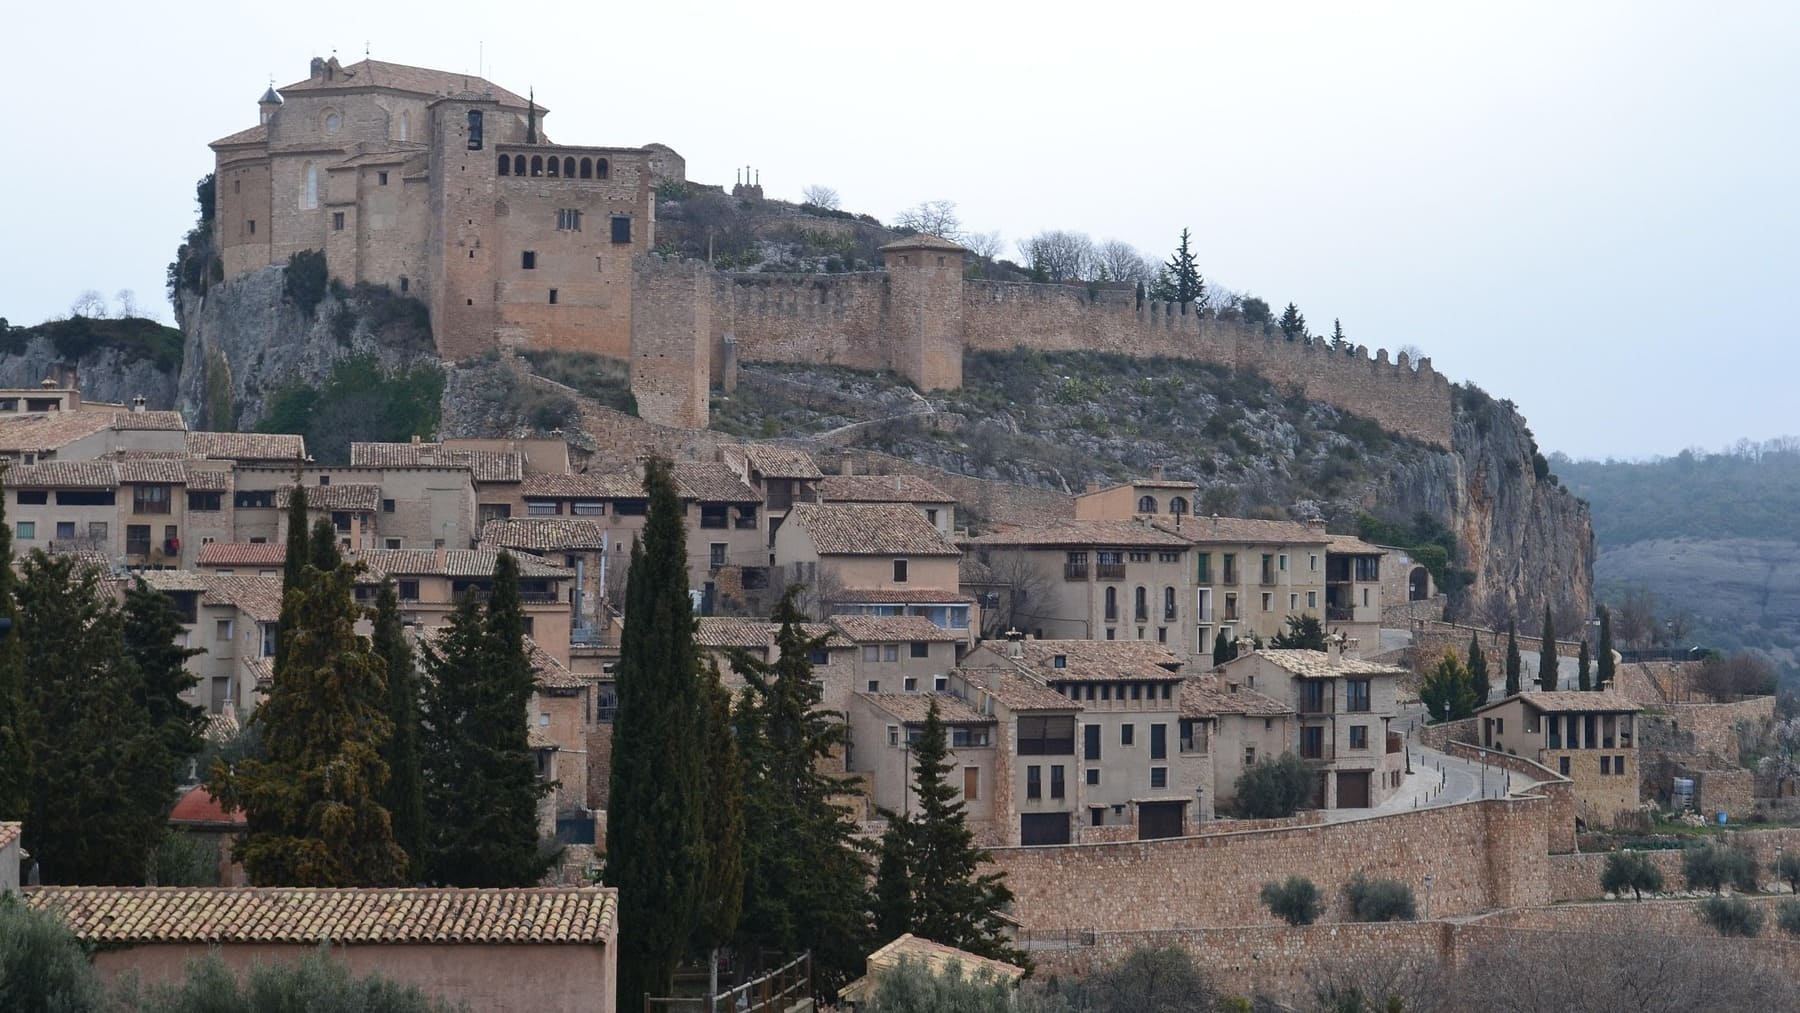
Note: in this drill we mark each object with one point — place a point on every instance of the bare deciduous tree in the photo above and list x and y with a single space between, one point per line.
1726 678
820 195
127 300
1061 255
1116 260
988 245
89 303
933 217
1024 589
1634 620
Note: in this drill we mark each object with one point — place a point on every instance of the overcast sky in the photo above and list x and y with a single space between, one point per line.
1588 208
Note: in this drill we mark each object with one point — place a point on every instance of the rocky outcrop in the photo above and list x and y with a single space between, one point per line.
102 374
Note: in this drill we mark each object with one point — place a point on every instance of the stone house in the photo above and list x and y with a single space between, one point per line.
430 582
1353 588
419 508
1236 727
1145 497
833 660
779 476
264 559
938 507
1250 575
904 654
936 957
1589 738
883 728
579 544
132 510
1344 707
54 424
233 617
874 559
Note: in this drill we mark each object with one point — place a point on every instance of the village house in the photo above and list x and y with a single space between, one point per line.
780 477
1353 588
53 423
430 583
884 728
874 559
905 654
233 617
1344 707
937 506
1236 727
1589 738
1145 497
833 659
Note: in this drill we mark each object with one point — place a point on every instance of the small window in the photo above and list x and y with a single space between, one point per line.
387 506
223 630
1034 782
899 571
1268 602
543 507
940 683
621 229
474 130
1605 765
204 501
403 284
1093 776
1056 781
568 220
1126 734
872 652
553 297
874 685
34 497
1562 765
1159 777
972 783
409 590
910 684
893 735
528 260
252 224
381 179
337 221
890 652
26 530
1312 599
1359 736
919 649
391 543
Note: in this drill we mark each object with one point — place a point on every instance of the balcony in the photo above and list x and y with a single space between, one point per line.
1109 571
1339 614
1075 571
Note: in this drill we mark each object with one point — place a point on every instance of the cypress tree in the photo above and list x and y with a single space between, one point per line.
1179 280
312 799
1293 323
293 566
1583 665
322 546
1547 675
151 629
654 848
1338 341
805 870
1479 680
481 784
101 778
15 750
1513 663
722 889
1221 649
893 881
952 901
405 793
1603 668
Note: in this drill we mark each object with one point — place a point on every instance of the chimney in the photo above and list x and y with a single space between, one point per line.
1014 647
1156 472
137 405
442 555
1334 649
847 463
1316 523
415 439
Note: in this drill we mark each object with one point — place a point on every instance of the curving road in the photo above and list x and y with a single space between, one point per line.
1437 778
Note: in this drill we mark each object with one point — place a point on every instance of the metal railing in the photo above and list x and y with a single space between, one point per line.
1109 571
1074 571
774 992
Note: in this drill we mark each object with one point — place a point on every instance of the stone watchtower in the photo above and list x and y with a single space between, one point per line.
925 310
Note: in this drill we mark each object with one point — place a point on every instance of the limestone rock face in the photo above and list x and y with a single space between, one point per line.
104 374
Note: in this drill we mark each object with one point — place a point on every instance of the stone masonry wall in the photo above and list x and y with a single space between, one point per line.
1559 790
1497 861
1577 877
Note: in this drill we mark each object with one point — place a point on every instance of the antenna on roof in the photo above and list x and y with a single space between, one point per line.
365 49
480 55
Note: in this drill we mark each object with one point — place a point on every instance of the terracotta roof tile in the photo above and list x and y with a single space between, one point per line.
711 482
891 629
64 475
1350 545
258 134
1318 664
456 563
870 529
173 580
484 465
880 489
720 632
221 727
417 80
898 596
165 421
262 670
198 806
207 479
774 462
924 241
1082 534
41 433
148 914
615 485
914 707
1018 691
348 496
543 534
1244 531
1096 660
1575 700
9 832
247 446
242 554
255 596
1210 696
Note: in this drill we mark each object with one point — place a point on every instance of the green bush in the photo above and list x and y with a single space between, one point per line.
1731 916
1714 867
1295 901
359 402
317 984
1787 869
1273 789
42 966
1379 900
911 987
183 859
1630 870
1787 916
304 282
133 337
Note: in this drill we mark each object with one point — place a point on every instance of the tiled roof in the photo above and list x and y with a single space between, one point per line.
547 672
151 914
925 241
197 805
262 670
1574 700
64 475
483 465
242 554
720 632
152 471
207 479
146 420
537 738
1019 692
1209 696
350 496
891 629
456 563
1244 531
775 462
913 707
898 596
936 958
1144 483
9 832
418 80
37 434
870 529
249 135
543 534
1318 664
614 485
711 482
1350 545
247 446
173 580
255 596
1095 660
221 727
1084 534
880 489
970 570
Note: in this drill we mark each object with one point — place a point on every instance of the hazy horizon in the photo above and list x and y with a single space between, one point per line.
1563 203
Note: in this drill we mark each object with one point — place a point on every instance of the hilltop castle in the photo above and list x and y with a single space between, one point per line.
445 186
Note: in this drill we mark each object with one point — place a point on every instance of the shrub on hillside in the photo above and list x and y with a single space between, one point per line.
1630 870
912 987
42 966
1379 900
1787 916
1787 869
1715 867
1731 916
1151 979
316 983
1295 901
305 280
1273 789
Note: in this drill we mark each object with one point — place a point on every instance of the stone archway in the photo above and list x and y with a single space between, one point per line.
1418 584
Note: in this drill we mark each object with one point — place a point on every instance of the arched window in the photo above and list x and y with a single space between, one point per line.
518 165
1146 504
554 168
568 168
537 165
1112 604
599 168
505 165
474 130
1178 505
587 168
1141 605
1168 604
309 192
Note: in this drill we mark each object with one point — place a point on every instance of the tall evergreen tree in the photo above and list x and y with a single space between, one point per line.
1547 673
101 779
805 869
481 783
893 907
1338 341
1447 692
1179 280
952 901
15 747
654 845
1584 665
405 793
722 889
1513 662
1479 679
313 798
294 561
1221 648
1293 323
1603 666
152 628
322 546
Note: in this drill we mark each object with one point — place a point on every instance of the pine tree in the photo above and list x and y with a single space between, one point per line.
101 778
1547 674
1584 665
152 628
1293 323
893 882
1221 649
15 750
952 901
722 888
1338 341
405 793
1179 280
293 566
480 777
1603 666
1304 633
322 546
312 799
1513 663
1479 680
1447 693
805 871
655 851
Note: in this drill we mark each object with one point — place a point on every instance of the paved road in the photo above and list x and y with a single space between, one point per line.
1437 779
